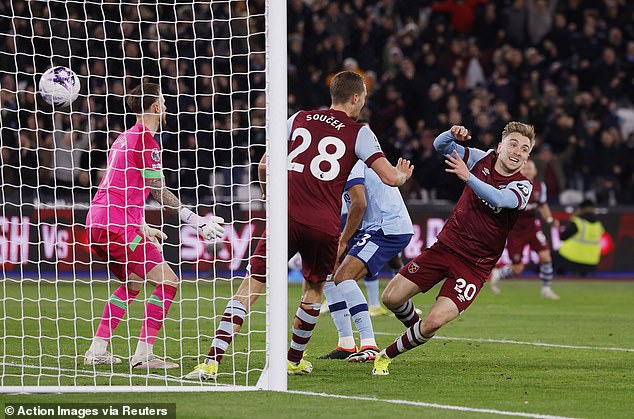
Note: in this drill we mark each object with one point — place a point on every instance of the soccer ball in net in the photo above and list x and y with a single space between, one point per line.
59 86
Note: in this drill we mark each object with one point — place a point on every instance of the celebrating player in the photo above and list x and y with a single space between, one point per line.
528 231
386 229
324 146
471 241
118 234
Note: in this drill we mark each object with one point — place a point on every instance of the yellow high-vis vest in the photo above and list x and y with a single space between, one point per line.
585 246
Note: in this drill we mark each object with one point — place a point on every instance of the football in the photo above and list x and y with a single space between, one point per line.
59 86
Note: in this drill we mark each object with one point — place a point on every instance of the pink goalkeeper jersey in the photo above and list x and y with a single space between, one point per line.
120 199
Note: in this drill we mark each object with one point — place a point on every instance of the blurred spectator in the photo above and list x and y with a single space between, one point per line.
567 67
207 57
580 251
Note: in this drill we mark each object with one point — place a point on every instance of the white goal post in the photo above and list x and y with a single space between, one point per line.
222 67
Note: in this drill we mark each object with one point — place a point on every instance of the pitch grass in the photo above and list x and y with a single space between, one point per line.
570 382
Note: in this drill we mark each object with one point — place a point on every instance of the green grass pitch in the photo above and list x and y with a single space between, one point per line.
469 372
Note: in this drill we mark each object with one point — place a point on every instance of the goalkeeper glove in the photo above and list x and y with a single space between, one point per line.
208 228
154 235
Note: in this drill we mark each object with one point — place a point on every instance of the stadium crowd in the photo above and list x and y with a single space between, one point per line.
565 66
208 58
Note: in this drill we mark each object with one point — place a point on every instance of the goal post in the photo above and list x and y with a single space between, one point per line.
222 70
275 376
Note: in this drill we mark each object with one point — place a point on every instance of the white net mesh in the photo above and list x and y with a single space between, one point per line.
209 60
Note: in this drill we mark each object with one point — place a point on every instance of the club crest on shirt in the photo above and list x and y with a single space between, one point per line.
413 267
485 171
156 155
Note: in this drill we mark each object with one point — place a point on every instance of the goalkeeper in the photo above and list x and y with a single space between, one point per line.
119 236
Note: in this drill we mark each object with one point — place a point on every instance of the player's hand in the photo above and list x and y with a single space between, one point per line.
457 166
406 168
155 235
342 249
460 133
211 227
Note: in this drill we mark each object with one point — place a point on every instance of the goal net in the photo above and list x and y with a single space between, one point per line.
219 77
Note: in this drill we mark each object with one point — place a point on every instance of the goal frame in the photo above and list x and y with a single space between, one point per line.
274 374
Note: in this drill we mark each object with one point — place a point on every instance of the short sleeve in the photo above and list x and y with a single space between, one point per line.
357 175
367 147
289 125
151 159
522 190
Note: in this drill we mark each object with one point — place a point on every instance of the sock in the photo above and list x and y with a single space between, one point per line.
506 272
233 316
546 273
340 315
406 313
408 340
307 314
358 308
372 288
113 312
156 309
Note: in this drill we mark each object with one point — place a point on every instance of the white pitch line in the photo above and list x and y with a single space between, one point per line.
86 374
433 405
90 374
517 342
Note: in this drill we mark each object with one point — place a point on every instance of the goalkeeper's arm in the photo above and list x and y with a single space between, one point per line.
207 228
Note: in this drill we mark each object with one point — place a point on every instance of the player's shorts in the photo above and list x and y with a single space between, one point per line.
517 240
463 281
126 252
317 249
375 249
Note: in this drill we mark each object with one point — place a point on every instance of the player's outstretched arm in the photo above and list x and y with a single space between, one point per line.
393 175
207 228
514 196
445 144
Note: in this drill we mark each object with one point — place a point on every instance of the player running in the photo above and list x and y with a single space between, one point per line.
471 241
385 230
528 231
324 146
118 234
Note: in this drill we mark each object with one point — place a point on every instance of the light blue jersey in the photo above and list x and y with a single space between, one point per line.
386 210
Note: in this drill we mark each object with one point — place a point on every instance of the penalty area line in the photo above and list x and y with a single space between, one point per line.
433 405
517 342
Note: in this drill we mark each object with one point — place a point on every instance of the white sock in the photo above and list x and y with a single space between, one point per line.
346 342
98 346
368 342
338 311
506 272
358 308
143 350
372 288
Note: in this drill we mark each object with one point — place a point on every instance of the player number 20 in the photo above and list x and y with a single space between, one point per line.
467 290
324 156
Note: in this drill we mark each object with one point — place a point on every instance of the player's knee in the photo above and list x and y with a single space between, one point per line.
163 274
390 299
432 322
517 269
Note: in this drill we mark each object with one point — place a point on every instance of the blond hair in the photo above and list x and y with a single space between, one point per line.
526 130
